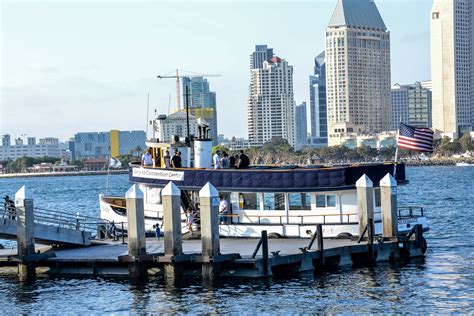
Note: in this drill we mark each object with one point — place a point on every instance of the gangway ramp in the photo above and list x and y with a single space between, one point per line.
51 227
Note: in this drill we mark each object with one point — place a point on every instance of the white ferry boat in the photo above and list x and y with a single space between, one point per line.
287 201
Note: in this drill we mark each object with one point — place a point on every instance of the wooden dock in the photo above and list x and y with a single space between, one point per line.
286 256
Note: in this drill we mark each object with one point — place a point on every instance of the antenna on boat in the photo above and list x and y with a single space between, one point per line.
147 114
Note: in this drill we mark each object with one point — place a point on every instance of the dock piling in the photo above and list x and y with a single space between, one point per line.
171 196
319 232
25 232
266 270
136 229
365 201
209 205
388 195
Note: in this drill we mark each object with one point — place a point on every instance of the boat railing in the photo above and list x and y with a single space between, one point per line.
290 219
344 218
410 211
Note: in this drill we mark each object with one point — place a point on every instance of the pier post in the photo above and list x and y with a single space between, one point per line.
365 201
25 232
171 197
209 204
136 229
388 195
319 232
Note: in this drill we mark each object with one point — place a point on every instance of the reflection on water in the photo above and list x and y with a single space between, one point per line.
442 282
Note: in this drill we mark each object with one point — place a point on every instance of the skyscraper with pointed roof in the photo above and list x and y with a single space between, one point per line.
357 70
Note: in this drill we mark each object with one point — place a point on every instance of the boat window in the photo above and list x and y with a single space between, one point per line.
274 201
378 202
300 201
320 200
326 200
331 200
248 201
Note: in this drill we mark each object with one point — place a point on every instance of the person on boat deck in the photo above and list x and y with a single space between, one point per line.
167 159
222 210
232 161
217 160
147 159
244 161
176 160
225 160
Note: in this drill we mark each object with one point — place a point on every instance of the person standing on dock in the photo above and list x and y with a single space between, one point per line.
157 231
147 160
9 208
222 210
190 220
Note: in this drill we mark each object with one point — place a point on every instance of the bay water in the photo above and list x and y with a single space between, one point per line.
441 282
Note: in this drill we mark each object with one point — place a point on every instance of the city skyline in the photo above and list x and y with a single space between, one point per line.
70 76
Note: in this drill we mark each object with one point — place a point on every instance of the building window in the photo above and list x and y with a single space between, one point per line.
435 15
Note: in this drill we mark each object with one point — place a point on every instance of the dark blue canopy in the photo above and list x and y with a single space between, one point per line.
276 179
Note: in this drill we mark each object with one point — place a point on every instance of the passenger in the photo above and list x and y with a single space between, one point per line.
157 231
167 159
147 160
217 160
244 161
222 210
232 161
225 160
190 220
176 160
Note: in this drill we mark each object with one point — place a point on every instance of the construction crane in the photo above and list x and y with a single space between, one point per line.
178 76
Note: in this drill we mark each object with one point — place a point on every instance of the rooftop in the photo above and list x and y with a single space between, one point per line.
357 13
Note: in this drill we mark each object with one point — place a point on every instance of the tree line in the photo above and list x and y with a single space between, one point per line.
279 151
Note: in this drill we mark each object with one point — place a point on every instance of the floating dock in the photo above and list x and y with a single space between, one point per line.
211 256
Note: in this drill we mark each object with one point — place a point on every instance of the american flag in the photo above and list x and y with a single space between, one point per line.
415 138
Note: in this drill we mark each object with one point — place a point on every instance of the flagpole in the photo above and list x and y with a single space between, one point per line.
107 179
396 151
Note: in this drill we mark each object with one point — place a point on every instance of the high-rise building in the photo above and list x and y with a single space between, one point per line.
357 70
262 53
411 104
399 105
271 105
317 95
301 124
452 66
202 102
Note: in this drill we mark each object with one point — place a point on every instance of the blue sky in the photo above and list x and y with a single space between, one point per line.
70 67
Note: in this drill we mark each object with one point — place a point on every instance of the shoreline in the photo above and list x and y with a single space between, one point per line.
61 174
409 163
